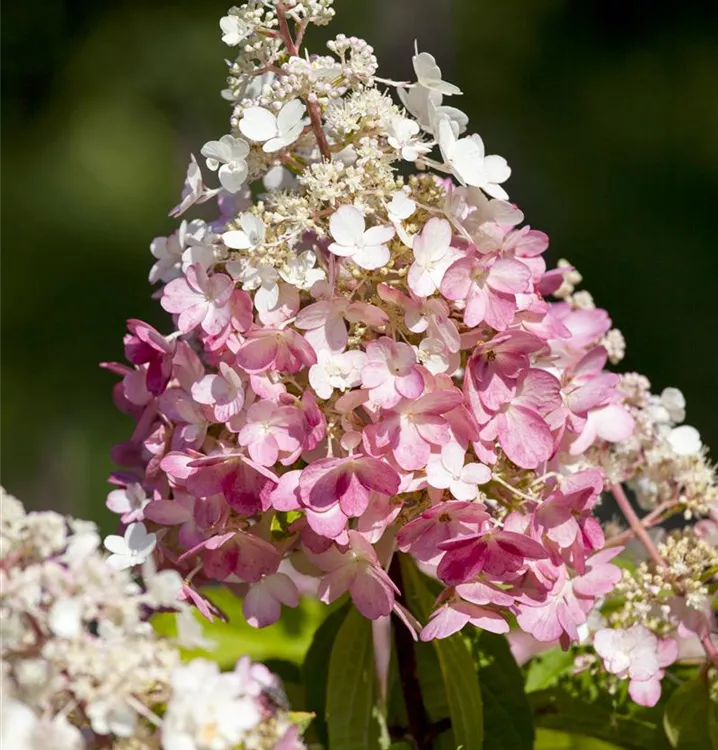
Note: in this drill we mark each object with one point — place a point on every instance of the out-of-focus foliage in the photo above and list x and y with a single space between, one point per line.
606 110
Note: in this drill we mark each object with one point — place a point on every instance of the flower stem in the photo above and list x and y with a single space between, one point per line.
408 673
635 523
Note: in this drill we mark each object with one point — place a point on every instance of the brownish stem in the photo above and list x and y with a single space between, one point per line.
635 523
419 727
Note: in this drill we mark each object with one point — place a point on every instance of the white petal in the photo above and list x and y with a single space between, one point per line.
347 225
685 440
258 124
290 115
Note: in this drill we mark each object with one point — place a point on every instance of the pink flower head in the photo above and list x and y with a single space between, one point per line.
391 372
495 367
145 345
200 300
567 511
263 602
346 482
244 555
245 486
272 433
449 520
489 287
636 654
279 349
358 571
223 392
496 553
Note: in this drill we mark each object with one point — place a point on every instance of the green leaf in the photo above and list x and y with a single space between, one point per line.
544 670
287 639
351 687
600 718
508 724
302 719
551 739
461 684
690 717
315 671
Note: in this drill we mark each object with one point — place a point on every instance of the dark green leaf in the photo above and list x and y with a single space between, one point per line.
637 730
690 717
544 670
552 739
316 670
508 723
351 687
458 673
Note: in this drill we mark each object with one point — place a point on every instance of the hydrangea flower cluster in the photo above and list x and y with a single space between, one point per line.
365 364
82 665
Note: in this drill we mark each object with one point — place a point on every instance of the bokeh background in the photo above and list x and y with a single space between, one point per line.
607 110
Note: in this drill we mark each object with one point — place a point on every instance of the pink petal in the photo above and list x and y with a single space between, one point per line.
372 592
525 437
444 622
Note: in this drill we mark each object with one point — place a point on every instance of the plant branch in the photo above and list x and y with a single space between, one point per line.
635 523
408 674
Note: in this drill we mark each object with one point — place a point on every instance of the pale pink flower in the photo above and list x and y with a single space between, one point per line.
413 428
274 348
636 654
130 502
262 604
200 300
391 372
272 433
489 287
357 571
223 392
324 321
433 255
346 482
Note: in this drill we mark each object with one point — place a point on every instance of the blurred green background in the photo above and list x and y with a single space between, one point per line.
606 110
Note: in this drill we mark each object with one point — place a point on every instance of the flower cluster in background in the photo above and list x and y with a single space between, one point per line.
82 665
364 363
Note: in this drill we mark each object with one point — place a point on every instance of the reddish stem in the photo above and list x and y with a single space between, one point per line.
635 523
653 518
315 115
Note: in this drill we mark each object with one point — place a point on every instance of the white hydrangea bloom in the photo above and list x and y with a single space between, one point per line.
229 156
466 157
402 135
234 30
300 272
274 131
336 371
428 73
366 247
685 440
209 710
251 234
131 549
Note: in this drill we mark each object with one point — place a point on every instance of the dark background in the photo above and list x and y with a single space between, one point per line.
607 111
